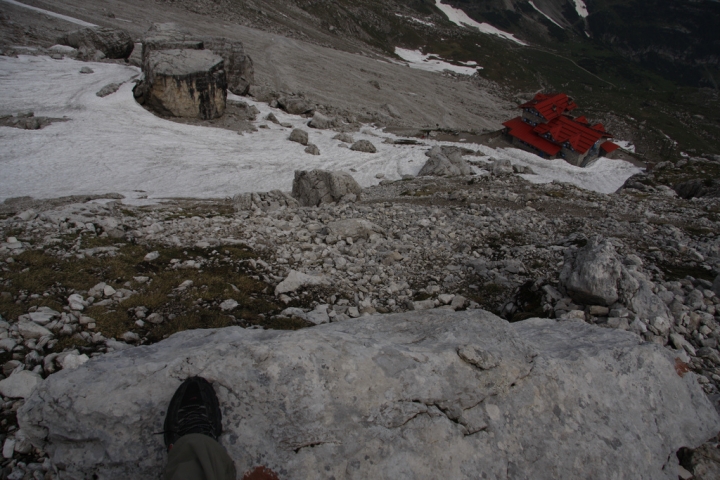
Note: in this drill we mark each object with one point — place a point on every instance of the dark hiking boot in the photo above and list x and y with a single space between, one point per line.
193 409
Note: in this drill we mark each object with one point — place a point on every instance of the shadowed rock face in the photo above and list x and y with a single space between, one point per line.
432 394
186 83
112 42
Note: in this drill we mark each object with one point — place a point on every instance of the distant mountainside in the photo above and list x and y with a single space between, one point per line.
659 34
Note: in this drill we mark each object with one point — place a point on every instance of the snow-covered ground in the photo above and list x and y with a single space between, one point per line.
52 14
112 144
625 145
416 20
532 4
460 18
431 63
581 8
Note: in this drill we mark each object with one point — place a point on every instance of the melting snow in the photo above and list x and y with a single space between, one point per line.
625 145
431 63
112 144
52 14
460 18
532 4
581 8
417 20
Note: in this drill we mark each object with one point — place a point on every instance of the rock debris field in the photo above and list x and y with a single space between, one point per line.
383 301
85 277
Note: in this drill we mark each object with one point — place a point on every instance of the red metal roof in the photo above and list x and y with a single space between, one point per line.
524 132
552 105
564 130
609 147
582 119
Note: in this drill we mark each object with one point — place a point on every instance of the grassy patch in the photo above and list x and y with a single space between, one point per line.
38 278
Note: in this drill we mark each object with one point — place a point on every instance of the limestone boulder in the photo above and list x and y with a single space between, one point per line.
111 42
363 146
239 67
294 105
300 136
186 83
311 188
591 274
422 395
322 122
445 162
502 166
352 227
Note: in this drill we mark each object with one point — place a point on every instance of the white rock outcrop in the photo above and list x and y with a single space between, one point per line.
422 395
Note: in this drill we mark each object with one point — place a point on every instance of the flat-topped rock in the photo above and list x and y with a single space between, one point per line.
186 83
430 394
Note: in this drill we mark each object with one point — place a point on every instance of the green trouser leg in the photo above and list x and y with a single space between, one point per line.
199 457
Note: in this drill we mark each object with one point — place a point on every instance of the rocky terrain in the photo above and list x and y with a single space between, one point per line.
85 278
470 273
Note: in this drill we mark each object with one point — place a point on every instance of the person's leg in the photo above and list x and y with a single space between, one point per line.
193 425
198 457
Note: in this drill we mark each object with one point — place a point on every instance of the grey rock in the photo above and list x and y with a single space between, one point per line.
312 188
502 166
86 70
352 227
361 397
20 384
108 89
294 105
296 280
184 83
312 149
272 118
299 136
344 137
363 146
699 187
322 122
112 42
28 329
716 286
43 315
445 161
591 276
238 65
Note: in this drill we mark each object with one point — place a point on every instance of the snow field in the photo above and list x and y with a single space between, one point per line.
112 144
422 61
460 18
532 4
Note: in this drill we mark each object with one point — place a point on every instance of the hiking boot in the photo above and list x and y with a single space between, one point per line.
193 409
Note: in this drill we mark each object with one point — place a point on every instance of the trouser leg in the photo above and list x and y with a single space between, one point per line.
199 457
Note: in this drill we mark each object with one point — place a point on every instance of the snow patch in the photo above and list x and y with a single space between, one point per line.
625 145
581 8
432 63
112 144
52 14
416 20
532 4
603 176
460 18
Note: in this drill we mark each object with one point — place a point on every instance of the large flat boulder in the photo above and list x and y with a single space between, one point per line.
186 83
418 395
